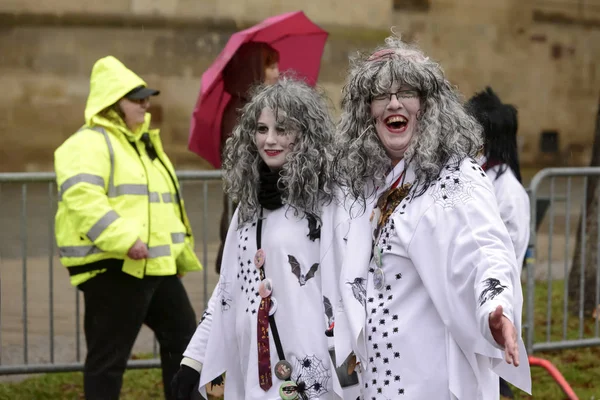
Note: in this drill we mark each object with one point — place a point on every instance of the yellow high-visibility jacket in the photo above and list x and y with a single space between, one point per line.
111 192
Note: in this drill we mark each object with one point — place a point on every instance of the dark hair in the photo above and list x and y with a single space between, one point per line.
270 56
112 112
500 126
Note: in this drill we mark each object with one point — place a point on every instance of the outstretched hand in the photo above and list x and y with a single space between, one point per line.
505 334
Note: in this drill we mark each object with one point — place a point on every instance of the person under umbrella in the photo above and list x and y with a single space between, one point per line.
299 44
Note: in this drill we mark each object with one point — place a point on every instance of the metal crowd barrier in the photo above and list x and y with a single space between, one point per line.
561 194
556 194
25 180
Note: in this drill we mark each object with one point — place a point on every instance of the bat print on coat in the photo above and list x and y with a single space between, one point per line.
297 270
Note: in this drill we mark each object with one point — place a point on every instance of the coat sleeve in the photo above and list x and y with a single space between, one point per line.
216 340
196 352
513 203
82 167
464 256
196 349
334 233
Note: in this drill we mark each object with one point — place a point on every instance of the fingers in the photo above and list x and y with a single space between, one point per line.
138 251
511 346
135 254
515 351
138 255
511 355
508 351
143 250
505 334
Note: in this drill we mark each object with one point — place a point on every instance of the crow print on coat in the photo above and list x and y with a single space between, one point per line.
493 288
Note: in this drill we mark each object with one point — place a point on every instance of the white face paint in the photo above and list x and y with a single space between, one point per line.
273 142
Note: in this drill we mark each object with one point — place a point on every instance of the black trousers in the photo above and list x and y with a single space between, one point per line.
116 306
505 390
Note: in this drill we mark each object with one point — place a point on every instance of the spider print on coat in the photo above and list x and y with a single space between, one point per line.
452 189
379 383
493 288
477 168
311 375
359 291
388 230
223 295
382 328
297 270
248 277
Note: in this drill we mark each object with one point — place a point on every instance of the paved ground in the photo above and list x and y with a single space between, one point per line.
40 213
41 310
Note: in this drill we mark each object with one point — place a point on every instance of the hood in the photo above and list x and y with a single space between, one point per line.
109 82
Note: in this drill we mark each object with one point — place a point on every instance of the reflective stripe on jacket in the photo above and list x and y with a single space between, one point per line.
111 192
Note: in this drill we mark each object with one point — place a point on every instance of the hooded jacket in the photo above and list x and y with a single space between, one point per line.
116 186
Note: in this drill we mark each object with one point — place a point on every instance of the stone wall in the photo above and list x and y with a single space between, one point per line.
545 61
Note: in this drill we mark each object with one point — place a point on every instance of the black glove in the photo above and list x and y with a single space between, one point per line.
184 383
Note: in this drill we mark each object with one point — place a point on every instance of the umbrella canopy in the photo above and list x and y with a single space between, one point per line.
300 45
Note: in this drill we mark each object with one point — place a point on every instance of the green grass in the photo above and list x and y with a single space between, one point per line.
138 384
580 367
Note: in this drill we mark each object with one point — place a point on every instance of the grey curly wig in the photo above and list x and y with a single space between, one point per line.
305 178
445 132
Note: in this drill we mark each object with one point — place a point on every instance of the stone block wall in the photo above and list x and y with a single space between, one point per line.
545 61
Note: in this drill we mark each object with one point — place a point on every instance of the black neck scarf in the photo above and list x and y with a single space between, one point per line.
269 193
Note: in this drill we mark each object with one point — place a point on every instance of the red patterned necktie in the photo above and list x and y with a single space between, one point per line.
264 356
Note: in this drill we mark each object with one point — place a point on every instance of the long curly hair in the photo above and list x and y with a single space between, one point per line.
445 132
305 178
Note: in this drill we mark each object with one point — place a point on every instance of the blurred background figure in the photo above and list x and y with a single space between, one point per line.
288 42
122 231
500 161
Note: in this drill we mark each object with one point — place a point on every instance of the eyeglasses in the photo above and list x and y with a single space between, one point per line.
400 94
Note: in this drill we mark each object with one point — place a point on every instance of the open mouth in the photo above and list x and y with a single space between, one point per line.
273 153
396 123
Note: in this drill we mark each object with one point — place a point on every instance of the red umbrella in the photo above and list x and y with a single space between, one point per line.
300 45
